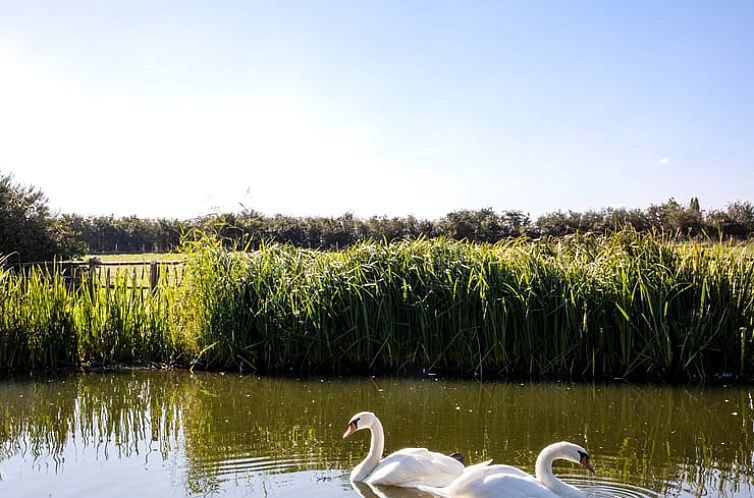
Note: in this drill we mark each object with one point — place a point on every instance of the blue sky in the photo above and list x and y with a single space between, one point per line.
178 108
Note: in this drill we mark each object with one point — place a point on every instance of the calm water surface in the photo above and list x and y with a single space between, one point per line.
173 434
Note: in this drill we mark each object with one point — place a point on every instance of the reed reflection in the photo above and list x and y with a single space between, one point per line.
110 415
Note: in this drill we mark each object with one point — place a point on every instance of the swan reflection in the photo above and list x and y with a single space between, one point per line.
372 491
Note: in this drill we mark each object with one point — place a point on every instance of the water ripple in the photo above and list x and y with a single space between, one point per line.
247 464
604 488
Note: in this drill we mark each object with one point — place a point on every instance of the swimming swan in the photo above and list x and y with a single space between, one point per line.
488 481
409 467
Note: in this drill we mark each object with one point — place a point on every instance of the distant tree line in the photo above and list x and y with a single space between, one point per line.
29 231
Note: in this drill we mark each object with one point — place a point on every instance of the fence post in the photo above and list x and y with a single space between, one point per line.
93 267
154 274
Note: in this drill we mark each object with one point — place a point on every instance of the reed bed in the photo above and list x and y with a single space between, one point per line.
46 322
627 305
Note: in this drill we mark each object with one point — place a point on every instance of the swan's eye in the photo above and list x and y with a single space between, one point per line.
354 423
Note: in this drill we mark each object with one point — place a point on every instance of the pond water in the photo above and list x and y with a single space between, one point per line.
174 434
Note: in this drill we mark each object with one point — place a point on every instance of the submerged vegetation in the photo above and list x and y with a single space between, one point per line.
629 305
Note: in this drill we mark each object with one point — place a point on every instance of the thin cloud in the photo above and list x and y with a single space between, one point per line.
664 161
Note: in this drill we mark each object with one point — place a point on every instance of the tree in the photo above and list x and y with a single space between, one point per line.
27 229
742 213
515 223
558 223
482 225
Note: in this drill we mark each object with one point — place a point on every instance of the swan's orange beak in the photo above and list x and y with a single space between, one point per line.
585 463
351 429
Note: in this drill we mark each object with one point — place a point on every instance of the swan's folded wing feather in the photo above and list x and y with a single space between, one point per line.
508 484
493 481
412 467
500 468
474 474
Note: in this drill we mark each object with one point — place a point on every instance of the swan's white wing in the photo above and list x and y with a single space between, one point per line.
499 468
472 476
411 467
507 484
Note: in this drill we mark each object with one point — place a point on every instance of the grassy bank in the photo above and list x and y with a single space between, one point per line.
628 305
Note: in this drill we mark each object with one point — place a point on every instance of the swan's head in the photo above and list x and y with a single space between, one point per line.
362 420
576 454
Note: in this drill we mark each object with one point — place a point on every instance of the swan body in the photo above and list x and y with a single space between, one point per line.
489 481
408 467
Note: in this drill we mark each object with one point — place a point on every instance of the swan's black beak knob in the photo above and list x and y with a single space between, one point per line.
585 463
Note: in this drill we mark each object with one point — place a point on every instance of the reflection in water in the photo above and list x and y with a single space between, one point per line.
226 434
601 488
110 415
369 491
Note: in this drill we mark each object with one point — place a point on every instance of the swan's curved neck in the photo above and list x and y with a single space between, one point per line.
543 471
377 445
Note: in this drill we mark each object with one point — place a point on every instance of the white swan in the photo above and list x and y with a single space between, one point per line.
488 481
409 467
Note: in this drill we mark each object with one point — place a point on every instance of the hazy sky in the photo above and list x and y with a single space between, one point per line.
180 108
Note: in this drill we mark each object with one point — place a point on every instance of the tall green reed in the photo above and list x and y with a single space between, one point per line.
627 305
127 321
36 326
48 322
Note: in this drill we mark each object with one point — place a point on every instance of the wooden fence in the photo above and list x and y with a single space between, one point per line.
145 274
